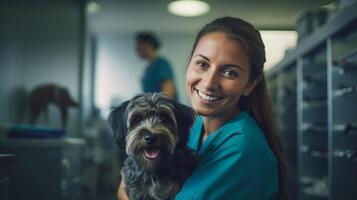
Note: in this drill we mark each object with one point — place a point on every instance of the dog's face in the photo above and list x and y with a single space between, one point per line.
150 127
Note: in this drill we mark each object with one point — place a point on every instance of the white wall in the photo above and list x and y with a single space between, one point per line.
119 69
276 43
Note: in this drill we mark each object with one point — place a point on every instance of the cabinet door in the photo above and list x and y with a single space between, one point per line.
71 180
285 104
344 113
313 148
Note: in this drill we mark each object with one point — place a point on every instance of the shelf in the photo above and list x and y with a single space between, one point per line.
347 60
342 69
314 152
311 195
345 90
315 70
314 104
315 187
315 128
344 109
348 128
346 155
314 94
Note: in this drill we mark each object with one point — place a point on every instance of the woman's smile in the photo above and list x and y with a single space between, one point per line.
207 98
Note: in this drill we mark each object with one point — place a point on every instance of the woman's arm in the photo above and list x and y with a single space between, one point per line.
121 194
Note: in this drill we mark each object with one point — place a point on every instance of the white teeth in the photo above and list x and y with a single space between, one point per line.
207 97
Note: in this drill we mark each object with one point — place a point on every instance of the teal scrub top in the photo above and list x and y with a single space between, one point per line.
235 163
157 72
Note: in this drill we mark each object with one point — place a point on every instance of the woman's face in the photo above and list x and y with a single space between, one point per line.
217 76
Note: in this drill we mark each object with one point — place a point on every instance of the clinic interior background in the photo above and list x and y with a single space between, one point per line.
88 47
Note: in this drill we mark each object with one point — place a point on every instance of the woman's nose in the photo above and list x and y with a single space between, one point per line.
210 80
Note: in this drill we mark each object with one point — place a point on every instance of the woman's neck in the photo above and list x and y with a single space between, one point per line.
212 123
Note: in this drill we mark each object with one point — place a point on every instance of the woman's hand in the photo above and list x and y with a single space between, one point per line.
121 193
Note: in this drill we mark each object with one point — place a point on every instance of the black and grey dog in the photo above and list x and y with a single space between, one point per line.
153 130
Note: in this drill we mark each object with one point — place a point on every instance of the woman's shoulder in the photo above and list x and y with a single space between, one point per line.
241 129
249 129
234 160
234 146
237 158
252 144
243 135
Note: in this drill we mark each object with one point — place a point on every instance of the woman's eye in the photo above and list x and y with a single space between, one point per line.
230 73
201 64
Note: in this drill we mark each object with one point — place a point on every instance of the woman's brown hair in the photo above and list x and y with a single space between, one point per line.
258 102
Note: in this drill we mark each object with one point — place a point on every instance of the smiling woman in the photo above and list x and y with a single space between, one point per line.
234 135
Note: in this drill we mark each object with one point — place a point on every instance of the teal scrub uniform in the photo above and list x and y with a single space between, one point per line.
157 72
235 163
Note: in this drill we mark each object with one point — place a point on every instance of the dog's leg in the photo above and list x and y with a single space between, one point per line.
35 113
64 115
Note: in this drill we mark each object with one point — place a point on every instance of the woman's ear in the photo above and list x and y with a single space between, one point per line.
251 85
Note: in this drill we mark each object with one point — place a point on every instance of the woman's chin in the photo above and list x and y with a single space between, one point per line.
203 111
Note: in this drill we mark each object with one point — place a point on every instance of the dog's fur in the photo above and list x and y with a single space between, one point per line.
43 95
135 123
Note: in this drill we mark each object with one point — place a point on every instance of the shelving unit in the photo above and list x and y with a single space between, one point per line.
314 91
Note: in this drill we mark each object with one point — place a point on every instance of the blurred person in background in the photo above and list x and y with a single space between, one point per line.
158 75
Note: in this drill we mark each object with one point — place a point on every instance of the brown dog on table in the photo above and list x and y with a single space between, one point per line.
43 95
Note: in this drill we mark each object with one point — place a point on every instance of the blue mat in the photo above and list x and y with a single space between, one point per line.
25 131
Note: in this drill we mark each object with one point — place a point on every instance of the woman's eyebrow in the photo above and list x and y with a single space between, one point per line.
234 65
225 65
202 56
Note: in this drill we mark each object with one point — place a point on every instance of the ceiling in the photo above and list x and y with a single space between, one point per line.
128 16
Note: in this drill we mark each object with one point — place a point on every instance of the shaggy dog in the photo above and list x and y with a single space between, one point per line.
153 130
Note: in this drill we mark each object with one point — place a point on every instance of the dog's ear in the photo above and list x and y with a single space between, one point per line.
117 120
185 118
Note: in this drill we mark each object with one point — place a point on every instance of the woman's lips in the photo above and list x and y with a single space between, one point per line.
207 98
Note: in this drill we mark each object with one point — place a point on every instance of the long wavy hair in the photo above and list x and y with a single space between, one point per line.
257 104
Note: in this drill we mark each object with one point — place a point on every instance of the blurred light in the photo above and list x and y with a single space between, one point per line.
188 8
92 7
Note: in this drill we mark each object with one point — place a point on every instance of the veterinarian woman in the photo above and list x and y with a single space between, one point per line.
234 135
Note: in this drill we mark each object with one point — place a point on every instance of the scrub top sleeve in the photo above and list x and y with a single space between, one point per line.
230 171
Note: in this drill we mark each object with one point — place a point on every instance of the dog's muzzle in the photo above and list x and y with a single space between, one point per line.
151 152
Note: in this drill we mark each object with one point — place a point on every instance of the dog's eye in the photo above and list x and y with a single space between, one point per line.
164 118
137 119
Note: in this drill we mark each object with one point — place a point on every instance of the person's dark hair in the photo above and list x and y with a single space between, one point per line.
148 37
258 102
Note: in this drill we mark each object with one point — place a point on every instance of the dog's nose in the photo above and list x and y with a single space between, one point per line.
150 138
